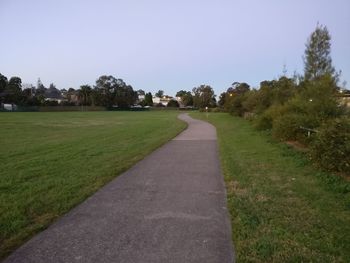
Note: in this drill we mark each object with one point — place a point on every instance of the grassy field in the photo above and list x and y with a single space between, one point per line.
50 161
282 209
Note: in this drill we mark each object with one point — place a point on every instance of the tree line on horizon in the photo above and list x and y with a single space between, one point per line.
108 91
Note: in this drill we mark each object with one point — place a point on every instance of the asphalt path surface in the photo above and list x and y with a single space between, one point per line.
169 207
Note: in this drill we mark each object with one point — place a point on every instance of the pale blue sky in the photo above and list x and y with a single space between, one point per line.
168 45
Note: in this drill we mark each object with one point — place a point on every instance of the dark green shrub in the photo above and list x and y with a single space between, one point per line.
173 103
291 126
287 127
265 120
331 147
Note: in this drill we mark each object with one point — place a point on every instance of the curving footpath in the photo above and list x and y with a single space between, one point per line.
169 207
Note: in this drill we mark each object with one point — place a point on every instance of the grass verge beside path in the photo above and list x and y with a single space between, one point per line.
52 161
282 208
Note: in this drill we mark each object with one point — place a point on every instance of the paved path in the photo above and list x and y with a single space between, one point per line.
169 207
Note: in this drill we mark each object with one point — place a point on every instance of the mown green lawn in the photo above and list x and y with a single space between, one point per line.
282 208
52 161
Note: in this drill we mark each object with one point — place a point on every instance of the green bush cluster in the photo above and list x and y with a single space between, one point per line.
288 126
331 147
305 108
299 111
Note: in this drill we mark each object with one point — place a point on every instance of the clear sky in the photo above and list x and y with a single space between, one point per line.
168 45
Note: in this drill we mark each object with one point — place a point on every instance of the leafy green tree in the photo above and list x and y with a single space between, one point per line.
29 98
125 96
317 59
318 100
3 83
173 103
15 83
159 93
13 90
186 97
85 95
222 99
105 86
181 93
251 101
204 96
234 98
148 99
311 107
274 92
141 92
284 89
110 91
239 88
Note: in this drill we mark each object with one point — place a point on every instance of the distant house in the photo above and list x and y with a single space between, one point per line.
141 97
53 94
345 100
71 96
163 100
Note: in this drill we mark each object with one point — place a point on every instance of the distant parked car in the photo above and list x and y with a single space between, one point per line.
136 106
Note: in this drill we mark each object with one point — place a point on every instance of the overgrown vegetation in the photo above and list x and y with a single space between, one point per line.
331 147
282 208
52 161
299 108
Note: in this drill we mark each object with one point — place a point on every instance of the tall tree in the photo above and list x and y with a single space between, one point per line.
84 94
204 96
125 96
3 82
317 59
239 88
141 92
159 93
186 97
173 103
113 91
13 90
105 86
222 99
148 99
234 97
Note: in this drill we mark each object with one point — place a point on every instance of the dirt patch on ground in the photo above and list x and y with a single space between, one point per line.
297 146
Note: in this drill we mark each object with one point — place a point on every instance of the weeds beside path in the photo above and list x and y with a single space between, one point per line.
282 208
